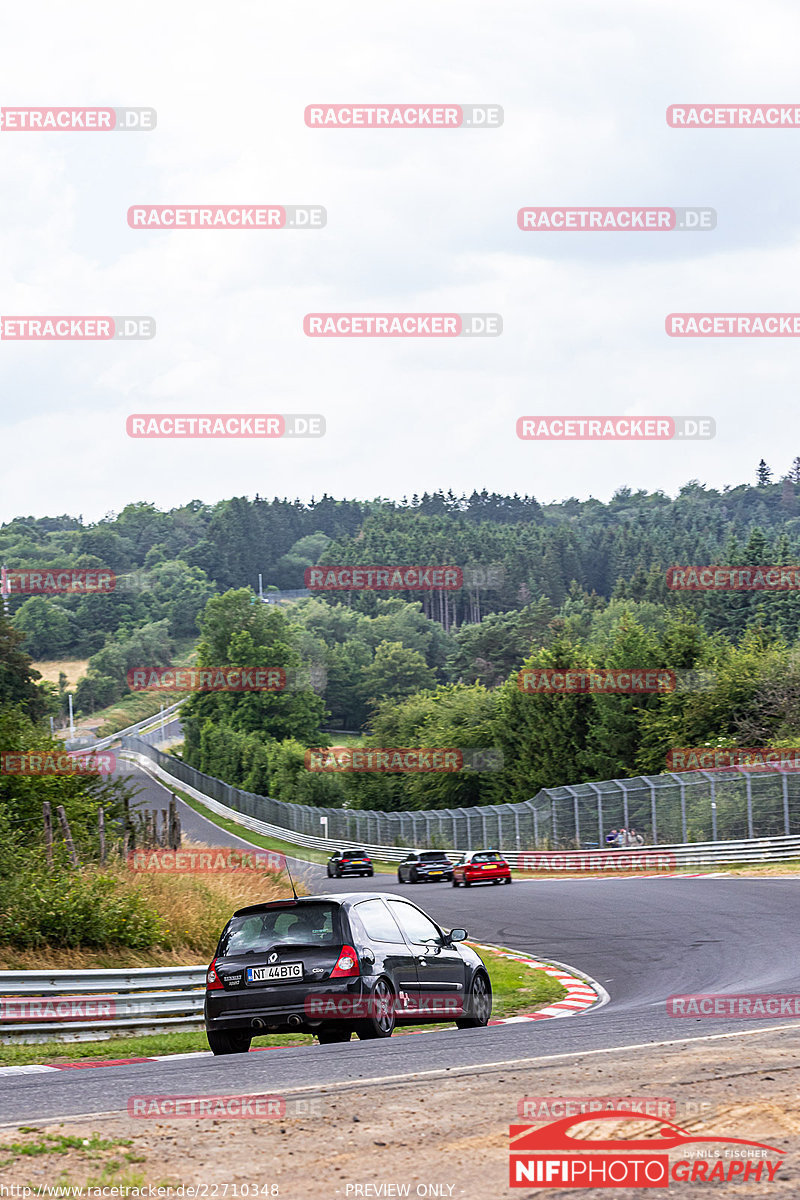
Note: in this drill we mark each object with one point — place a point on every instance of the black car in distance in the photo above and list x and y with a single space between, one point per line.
357 962
349 862
425 866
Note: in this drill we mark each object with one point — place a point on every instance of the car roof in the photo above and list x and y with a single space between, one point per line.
343 898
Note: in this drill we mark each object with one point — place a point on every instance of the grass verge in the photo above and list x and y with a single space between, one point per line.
516 988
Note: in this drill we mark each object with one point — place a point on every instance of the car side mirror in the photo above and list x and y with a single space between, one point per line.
457 935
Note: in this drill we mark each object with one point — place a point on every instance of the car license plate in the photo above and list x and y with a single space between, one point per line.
436 872
488 866
275 973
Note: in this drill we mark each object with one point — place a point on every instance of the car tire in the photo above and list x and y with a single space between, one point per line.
399 877
414 877
370 874
507 880
495 881
467 882
379 1026
234 1041
327 1037
479 1002
330 872
455 882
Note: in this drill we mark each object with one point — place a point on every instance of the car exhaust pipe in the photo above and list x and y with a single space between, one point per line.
294 1021
257 1023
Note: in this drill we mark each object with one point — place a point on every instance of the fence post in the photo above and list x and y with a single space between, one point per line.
101 833
164 838
785 781
577 820
48 833
749 784
173 812
64 823
653 817
555 827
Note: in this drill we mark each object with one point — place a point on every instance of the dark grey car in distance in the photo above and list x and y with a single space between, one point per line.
349 862
357 962
425 866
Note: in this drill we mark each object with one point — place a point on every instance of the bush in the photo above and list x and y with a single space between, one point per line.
76 908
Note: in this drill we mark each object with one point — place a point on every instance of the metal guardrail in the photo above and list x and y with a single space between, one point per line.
93 1005
79 746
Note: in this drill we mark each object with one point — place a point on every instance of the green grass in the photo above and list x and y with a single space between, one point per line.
516 989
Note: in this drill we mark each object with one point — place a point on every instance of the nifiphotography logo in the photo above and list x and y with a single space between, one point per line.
552 1156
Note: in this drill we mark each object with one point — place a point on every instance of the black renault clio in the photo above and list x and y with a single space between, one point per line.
357 962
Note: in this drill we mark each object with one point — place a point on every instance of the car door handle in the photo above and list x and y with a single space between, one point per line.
422 960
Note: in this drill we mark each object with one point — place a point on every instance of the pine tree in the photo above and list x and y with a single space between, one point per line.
763 474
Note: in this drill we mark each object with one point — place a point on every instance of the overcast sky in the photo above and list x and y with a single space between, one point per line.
417 221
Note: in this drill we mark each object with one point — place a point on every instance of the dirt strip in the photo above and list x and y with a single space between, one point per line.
448 1136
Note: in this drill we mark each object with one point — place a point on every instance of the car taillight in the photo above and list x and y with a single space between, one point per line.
346 964
213 980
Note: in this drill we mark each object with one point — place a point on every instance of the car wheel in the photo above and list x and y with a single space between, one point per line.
414 875
507 880
370 874
330 872
467 882
455 882
234 1041
328 1036
381 1023
479 1003
399 877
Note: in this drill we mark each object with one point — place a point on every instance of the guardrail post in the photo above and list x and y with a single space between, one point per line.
577 821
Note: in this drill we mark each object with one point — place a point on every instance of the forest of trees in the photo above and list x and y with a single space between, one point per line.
580 583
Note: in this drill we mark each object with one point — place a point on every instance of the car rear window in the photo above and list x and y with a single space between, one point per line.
300 924
433 856
354 854
486 858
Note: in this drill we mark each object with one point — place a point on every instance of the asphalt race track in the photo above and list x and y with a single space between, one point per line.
642 939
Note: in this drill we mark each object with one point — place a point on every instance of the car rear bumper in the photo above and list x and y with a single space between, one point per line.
277 1009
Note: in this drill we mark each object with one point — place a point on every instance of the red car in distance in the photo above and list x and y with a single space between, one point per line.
481 866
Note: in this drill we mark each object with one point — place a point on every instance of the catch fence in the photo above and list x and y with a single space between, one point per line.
668 809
